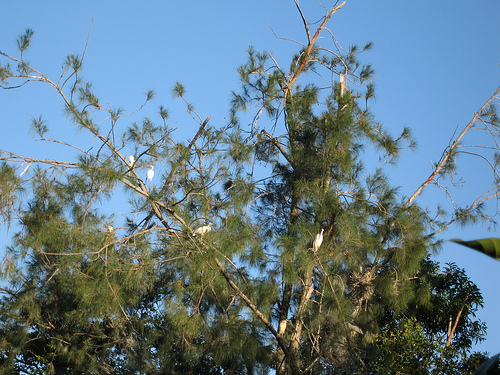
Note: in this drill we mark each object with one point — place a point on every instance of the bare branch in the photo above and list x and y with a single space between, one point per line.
304 21
451 148
307 55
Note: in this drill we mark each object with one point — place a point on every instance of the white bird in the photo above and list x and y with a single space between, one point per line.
204 229
342 84
318 240
282 327
131 160
150 174
110 229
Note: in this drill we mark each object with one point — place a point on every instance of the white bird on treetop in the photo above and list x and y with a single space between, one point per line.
318 240
342 84
151 173
204 229
131 160
110 229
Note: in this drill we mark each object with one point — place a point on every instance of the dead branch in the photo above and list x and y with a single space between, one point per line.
448 153
310 47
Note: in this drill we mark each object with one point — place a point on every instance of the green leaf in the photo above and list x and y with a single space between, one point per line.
488 246
485 366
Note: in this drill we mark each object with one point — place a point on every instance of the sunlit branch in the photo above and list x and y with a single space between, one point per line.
440 165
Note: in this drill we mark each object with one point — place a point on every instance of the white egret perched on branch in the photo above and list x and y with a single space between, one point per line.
131 160
318 240
342 84
150 174
202 230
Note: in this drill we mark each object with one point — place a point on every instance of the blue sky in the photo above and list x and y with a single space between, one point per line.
436 63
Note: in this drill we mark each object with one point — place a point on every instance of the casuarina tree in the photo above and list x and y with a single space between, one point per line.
271 243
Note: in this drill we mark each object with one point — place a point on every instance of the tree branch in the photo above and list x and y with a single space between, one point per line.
252 306
446 157
452 329
310 47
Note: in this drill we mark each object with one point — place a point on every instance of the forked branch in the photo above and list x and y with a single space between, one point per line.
449 152
310 45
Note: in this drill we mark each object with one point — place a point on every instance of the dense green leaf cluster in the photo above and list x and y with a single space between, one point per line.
435 334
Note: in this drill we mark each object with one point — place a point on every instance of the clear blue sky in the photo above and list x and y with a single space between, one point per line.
436 64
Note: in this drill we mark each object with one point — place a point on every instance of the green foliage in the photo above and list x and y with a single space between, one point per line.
178 90
9 191
104 273
39 127
486 366
24 40
405 349
73 62
436 333
488 246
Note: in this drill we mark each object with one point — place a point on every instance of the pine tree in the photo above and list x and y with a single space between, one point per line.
136 288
